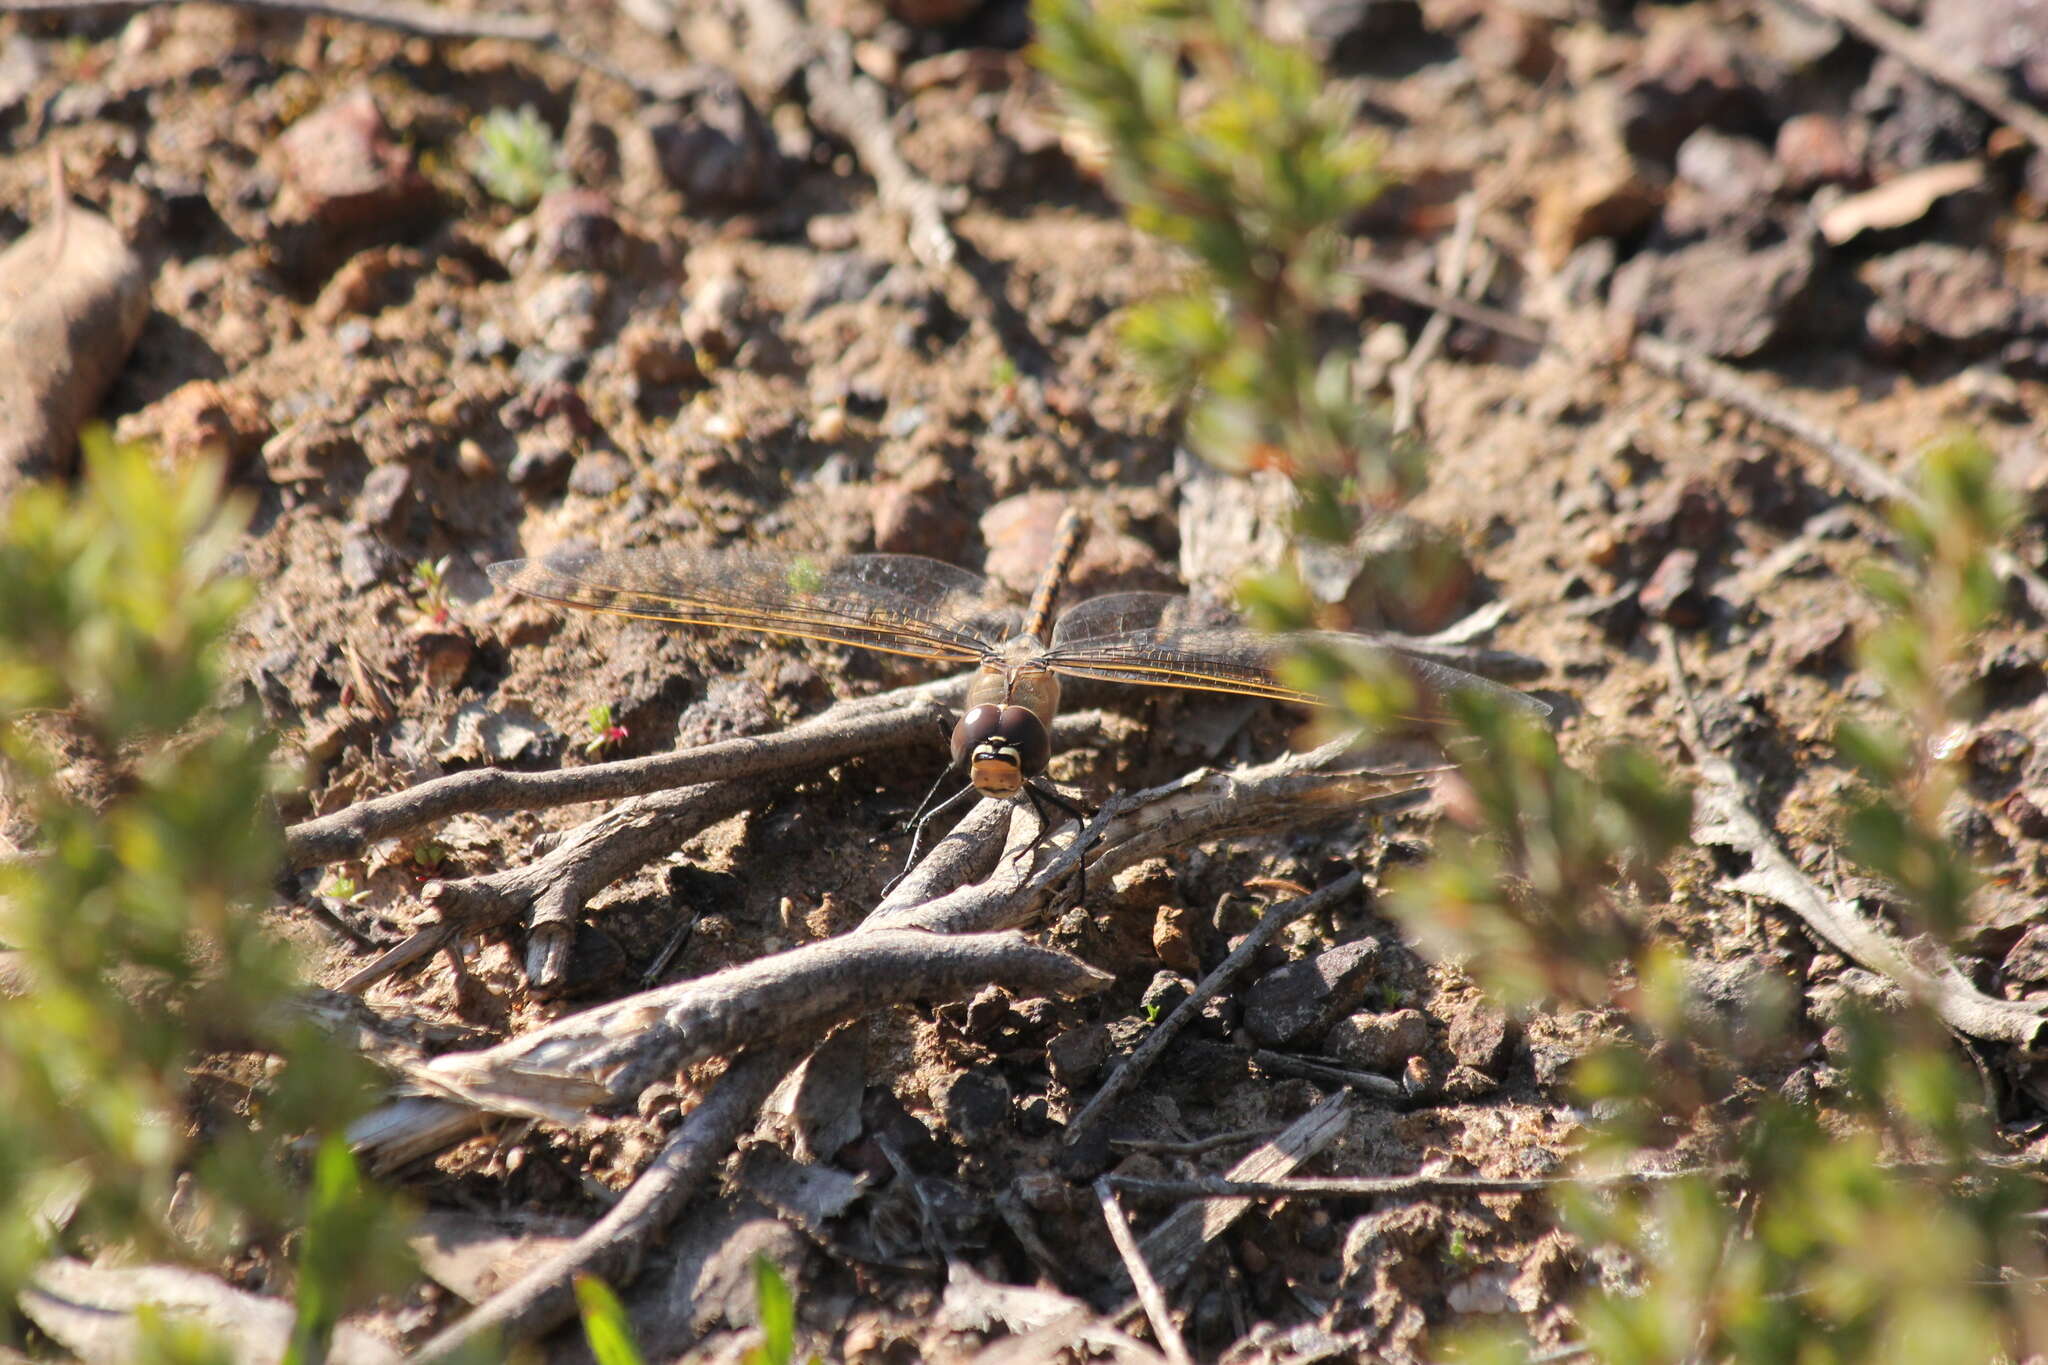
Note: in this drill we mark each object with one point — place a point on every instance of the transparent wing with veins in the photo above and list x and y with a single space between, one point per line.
897 604
1159 640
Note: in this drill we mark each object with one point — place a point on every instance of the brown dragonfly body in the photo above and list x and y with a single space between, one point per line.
904 604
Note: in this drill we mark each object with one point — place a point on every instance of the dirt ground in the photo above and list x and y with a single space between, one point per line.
717 333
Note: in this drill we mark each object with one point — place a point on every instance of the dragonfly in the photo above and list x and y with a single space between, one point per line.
928 609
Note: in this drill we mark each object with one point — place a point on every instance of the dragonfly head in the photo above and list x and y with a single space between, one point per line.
1001 746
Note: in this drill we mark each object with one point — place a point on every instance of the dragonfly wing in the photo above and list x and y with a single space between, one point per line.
1155 639
897 604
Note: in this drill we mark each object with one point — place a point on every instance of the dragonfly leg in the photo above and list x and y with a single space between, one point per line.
1042 794
925 815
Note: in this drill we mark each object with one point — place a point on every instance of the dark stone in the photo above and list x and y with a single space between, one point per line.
976 1105
1689 76
1165 994
540 468
386 496
364 560
2026 814
842 277
1973 831
1299 1001
596 964
1076 1056
1996 758
714 146
1034 1117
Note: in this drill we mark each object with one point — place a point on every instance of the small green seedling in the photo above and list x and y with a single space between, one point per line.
515 159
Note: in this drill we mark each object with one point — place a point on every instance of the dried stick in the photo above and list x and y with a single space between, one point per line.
553 890
1171 1248
907 716
1880 30
1379 277
1726 385
1325 1073
1270 924
854 108
423 21
1407 377
629 1043
1157 1312
1375 1187
611 1247
1728 818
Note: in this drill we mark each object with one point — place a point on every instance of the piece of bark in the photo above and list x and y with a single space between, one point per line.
90 1310
73 298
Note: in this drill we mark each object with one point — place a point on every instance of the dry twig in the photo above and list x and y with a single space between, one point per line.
1157 1311
1880 30
844 731
1727 817
1270 924
855 109
611 1247
630 1043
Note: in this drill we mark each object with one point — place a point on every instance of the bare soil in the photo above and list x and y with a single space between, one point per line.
756 357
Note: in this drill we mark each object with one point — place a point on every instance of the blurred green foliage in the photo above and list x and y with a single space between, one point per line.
1854 1219
1238 149
514 157
605 1325
131 913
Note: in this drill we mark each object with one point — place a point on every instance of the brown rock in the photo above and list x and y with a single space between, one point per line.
73 299
1673 593
343 170
1508 40
657 353
1481 1036
1816 149
932 13
1819 646
1718 296
713 320
1467 1083
1949 292
368 283
202 418
1019 532
2027 960
916 515
1379 1042
1174 940
1613 199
